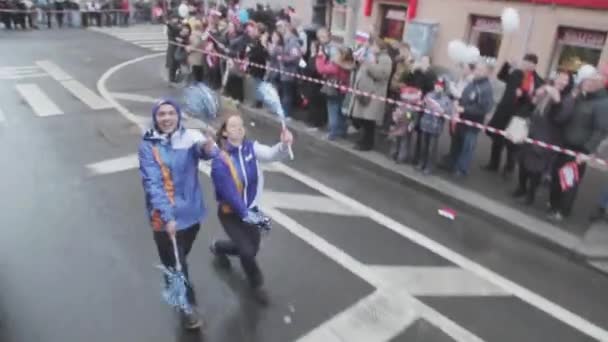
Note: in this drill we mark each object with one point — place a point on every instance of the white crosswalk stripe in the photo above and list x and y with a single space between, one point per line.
21 72
2 118
148 37
37 99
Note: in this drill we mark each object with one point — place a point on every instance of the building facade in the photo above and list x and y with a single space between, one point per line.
563 33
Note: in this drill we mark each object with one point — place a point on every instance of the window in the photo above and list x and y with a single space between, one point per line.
393 23
486 34
576 47
338 19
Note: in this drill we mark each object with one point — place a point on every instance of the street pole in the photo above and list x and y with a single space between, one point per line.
352 20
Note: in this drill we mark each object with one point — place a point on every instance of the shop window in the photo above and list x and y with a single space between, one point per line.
339 14
393 22
486 34
575 47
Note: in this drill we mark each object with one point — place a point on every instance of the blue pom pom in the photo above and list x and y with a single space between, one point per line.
201 102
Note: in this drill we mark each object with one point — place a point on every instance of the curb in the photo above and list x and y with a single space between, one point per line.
534 229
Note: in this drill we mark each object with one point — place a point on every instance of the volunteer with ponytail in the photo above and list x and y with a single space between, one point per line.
238 182
169 156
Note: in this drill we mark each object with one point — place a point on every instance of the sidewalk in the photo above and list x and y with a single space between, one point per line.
488 194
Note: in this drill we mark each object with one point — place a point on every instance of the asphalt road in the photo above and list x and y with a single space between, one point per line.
353 256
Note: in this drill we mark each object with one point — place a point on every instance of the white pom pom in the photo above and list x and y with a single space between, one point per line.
510 20
472 54
584 72
183 10
457 50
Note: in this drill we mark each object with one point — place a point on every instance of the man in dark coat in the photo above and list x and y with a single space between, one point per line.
584 126
521 84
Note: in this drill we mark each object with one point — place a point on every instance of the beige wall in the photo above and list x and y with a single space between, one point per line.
453 17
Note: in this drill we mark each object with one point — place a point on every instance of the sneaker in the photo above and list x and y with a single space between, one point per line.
220 260
191 321
555 216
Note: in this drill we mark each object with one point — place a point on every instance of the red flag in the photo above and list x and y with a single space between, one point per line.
412 9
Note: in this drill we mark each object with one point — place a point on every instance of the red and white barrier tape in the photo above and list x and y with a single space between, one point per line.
65 11
469 123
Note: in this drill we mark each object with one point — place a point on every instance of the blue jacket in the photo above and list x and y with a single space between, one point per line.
169 170
237 176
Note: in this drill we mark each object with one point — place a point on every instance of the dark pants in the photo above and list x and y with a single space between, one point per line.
59 15
529 181
428 150
197 73
465 141
288 91
184 238
245 243
500 143
234 87
368 131
563 201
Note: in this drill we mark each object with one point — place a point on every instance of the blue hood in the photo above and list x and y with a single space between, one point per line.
169 102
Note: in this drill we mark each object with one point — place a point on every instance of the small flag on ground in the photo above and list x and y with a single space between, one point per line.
447 213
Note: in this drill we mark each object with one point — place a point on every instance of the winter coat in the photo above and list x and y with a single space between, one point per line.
510 105
433 124
169 171
585 121
256 53
237 176
372 78
292 53
335 73
195 57
543 127
402 70
477 100
273 61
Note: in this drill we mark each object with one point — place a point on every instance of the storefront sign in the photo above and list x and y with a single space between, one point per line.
396 15
487 24
593 39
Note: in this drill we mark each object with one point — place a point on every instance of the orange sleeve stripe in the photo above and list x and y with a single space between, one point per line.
166 174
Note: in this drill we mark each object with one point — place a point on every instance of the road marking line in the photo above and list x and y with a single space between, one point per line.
517 290
434 281
21 77
55 71
448 326
114 165
159 48
303 202
40 103
153 46
85 95
77 89
20 71
2 117
377 317
135 97
18 68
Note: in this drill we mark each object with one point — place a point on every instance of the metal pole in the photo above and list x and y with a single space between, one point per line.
352 20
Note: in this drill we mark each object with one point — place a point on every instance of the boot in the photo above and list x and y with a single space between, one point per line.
191 320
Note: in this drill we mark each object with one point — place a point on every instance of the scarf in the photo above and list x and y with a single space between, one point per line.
527 84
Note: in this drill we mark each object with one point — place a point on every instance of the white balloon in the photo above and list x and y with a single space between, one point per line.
584 72
183 10
510 20
457 51
472 54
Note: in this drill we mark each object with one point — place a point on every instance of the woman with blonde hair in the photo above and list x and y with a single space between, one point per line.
195 55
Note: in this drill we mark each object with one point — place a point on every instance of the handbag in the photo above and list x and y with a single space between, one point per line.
568 176
518 129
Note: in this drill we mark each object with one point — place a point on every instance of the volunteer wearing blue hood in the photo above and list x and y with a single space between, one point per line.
238 182
168 162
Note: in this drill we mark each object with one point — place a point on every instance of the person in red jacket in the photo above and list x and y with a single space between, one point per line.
336 72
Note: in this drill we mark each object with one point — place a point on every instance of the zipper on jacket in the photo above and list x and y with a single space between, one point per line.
244 175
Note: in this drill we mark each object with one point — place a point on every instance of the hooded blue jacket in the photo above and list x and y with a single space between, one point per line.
168 165
238 165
